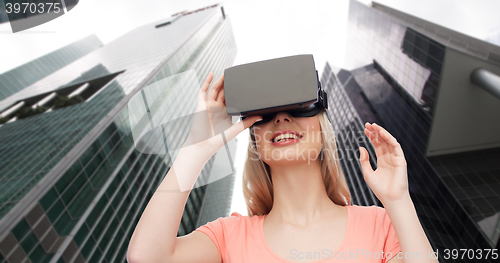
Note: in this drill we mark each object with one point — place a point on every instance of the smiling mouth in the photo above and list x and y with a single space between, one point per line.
285 137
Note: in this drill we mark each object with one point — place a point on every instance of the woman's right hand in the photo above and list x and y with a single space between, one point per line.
211 120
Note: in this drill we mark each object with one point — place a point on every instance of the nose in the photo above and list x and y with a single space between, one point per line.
282 117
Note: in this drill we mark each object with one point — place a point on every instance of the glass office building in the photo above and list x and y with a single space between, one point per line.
73 184
23 76
414 78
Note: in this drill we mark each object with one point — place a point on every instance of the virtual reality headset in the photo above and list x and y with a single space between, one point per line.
267 87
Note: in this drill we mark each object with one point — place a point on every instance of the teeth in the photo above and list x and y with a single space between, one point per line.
282 137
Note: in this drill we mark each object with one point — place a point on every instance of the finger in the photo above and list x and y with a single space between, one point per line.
214 90
202 94
370 127
364 161
393 143
206 83
221 98
379 144
238 127
385 134
377 140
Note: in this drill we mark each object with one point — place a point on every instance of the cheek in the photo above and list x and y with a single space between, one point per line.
262 146
261 135
313 131
260 141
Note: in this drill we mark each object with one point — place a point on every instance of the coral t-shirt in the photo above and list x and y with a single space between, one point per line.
370 237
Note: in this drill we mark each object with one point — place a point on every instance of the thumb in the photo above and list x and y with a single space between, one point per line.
251 120
238 127
364 160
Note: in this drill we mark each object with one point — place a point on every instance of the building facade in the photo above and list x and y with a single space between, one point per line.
414 78
74 185
23 76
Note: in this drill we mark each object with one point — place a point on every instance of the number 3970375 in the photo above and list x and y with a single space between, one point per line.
34 8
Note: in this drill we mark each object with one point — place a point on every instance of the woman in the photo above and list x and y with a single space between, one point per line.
297 198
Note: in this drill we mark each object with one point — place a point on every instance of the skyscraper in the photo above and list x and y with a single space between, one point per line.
23 76
419 81
73 184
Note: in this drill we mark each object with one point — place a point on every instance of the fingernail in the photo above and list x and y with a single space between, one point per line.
361 154
259 119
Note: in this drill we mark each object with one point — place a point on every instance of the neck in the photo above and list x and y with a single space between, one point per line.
299 194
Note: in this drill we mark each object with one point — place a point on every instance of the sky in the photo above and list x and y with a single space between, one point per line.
262 30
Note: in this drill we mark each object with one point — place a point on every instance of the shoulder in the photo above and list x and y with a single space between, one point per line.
230 223
243 221
227 232
372 210
237 218
370 214
234 219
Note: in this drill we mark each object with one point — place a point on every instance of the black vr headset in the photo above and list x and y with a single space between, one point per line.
267 87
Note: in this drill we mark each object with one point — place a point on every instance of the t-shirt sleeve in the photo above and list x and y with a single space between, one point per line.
220 230
391 245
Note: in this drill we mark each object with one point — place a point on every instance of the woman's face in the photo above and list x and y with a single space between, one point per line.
288 139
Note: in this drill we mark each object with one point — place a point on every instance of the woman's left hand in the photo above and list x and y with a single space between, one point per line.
389 182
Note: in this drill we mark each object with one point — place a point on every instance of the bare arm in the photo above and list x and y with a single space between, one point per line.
410 234
155 236
389 182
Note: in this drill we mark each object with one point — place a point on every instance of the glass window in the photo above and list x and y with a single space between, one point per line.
121 211
88 247
97 255
48 199
81 235
68 176
86 194
126 166
29 242
114 247
64 224
89 153
77 205
55 211
20 230
111 230
109 254
94 163
102 223
107 148
100 177
39 255
96 211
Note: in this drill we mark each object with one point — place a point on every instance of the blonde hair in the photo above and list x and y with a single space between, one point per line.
257 182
